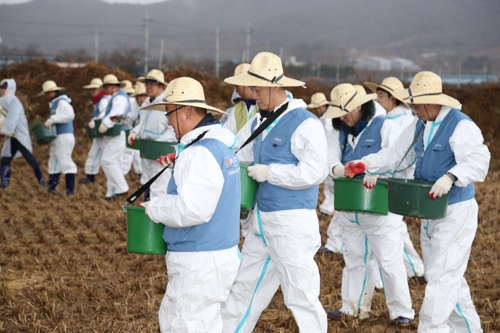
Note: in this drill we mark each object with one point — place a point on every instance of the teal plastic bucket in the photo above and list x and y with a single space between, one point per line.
410 197
151 149
44 136
94 132
352 196
143 235
248 187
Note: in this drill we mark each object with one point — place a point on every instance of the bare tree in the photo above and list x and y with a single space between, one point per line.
73 55
126 58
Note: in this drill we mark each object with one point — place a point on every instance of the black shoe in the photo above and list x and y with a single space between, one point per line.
39 175
403 322
88 179
336 315
5 175
70 183
53 181
418 279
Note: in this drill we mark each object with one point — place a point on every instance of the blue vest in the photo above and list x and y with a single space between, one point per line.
60 128
222 231
370 142
95 112
277 148
110 106
438 158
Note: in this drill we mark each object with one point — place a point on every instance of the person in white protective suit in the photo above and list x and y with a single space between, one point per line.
366 236
448 150
401 114
153 126
61 116
112 147
14 129
129 121
235 98
200 211
318 106
290 163
99 104
245 109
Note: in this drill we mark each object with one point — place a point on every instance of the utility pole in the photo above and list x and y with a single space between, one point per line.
96 45
249 31
146 43
281 53
160 62
460 45
217 52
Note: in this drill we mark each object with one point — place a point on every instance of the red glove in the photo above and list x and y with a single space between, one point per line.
166 159
354 168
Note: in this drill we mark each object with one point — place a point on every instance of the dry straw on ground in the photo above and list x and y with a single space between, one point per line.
64 265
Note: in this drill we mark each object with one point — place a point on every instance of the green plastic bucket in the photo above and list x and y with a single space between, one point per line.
410 197
151 149
143 235
352 196
137 143
248 187
44 136
94 132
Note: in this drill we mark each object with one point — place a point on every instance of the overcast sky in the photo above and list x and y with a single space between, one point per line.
384 27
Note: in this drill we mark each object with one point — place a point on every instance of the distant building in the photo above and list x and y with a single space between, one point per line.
383 64
292 61
452 79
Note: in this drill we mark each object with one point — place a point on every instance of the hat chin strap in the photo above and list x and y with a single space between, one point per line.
349 101
411 97
273 80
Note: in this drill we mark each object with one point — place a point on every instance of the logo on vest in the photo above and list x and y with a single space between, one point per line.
370 140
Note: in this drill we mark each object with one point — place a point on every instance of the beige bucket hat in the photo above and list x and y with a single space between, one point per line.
318 99
345 98
139 89
390 84
110 79
155 75
240 69
183 91
127 86
426 88
360 89
95 83
265 70
49 86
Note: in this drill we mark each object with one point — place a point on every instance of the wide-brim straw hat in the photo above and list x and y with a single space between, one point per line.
389 85
110 79
140 89
183 91
426 88
360 89
95 83
155 75
49 86
240 69
318 99
127 87
265 70
343 99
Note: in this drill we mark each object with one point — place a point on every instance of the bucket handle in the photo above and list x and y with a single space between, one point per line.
407 151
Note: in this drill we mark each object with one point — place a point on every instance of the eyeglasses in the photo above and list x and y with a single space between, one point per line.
414 107
176 109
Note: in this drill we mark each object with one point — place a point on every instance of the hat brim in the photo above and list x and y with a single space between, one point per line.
144 79
92 86
373 87
335 112
160 106
317 105
248 80
115 83
52 89
138 94
129 90
441 99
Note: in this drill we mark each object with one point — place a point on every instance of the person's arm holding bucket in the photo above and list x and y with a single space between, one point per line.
199 182
311 152
63 114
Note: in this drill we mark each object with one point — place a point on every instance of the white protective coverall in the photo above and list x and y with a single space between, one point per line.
93 162
446 242
113 147
369 237
281 249
326 206
198 282
153 126
62 146
16 124
131 157
234 97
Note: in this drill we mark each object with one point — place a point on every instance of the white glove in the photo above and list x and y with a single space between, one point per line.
338 171
131 138
48 123
102 128
259 172
369 181
91 124
441 187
